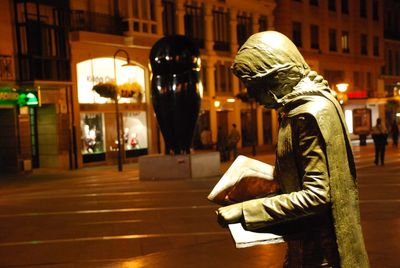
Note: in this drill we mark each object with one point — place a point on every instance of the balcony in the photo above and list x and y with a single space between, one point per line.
81 20
6 68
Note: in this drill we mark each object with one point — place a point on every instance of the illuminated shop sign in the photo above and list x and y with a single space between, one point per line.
357 95
101 70
19 97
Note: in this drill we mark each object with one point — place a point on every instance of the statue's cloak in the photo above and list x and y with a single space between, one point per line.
322 105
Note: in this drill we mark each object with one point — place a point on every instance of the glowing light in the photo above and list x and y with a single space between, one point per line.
342 87
231 100
201 89
101 70
217 104
348 115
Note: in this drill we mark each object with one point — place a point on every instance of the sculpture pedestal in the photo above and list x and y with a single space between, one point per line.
197 165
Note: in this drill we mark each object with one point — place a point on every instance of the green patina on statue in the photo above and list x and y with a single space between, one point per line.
314 164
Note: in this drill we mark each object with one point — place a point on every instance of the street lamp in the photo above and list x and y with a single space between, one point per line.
128 64
342 88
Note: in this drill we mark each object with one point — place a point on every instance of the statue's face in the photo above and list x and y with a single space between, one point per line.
268 92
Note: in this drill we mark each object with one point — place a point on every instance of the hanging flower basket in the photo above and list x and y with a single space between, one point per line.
131 90
106 90
126 90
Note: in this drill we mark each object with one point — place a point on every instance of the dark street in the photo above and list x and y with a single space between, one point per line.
97 217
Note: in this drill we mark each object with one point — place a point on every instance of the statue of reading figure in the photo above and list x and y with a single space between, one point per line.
314 164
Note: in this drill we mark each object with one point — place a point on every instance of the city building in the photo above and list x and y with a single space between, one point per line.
343 41
57 51
391 69
61 49
34 64
100 28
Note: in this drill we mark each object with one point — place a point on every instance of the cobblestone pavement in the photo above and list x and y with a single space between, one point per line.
98 217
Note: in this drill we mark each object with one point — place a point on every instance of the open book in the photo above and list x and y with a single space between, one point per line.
246 179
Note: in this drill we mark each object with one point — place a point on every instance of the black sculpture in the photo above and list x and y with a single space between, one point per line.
175 63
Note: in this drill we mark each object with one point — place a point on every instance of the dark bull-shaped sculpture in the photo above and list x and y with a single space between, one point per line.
175 64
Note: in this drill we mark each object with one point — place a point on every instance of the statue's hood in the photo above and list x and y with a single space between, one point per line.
265 53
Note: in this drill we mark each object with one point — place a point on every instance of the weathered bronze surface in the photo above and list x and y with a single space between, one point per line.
314 164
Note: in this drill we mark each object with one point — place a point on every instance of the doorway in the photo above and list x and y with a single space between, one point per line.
8 140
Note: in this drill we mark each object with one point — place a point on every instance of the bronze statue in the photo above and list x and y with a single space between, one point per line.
314 163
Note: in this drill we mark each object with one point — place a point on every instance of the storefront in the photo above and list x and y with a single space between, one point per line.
15 124
97 136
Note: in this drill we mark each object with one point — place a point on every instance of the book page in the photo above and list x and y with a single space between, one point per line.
245 179
244 238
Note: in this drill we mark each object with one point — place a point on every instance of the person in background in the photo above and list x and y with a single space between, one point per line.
395 133
379 135
222 144
205 137
314 163
233 139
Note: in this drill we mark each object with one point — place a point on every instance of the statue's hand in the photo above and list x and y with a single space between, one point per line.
230 214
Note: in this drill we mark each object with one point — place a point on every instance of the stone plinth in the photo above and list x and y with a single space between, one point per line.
198 165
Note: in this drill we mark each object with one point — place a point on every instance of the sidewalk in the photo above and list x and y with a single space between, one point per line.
129 169
99 217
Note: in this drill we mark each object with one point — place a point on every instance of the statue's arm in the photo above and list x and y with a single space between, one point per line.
314 195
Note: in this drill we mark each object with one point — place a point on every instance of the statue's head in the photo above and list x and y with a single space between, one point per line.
269 65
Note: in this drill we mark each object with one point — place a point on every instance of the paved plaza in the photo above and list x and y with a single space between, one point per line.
98 217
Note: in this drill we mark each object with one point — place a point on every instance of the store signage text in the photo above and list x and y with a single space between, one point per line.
99 79
8 95
20 97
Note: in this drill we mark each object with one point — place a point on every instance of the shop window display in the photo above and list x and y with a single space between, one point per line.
92 133
135 130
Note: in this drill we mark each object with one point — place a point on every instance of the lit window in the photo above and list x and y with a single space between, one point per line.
345 42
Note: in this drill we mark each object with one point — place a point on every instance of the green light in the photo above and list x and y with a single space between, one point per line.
19 97
22 99
31 99
28 99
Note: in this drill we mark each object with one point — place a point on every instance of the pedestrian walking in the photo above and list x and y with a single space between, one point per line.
233 139
379 136
395 133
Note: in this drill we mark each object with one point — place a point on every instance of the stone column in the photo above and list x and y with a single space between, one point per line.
209 38
210 65
159 19
255 26
180 17
129 18
233 24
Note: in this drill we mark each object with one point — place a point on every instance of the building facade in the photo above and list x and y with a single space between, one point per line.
343 41
100 28
59 50
391 69
35 62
